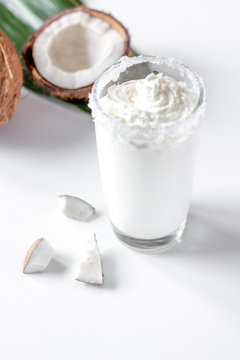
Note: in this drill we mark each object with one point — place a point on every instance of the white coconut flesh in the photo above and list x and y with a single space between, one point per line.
74 50
38 257
75 208
90 269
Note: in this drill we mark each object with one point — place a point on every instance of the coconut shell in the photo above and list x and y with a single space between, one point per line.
11 78
63 93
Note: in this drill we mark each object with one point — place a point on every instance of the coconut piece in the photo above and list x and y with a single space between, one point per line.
90 270
74 207
10 79
38 256
72 48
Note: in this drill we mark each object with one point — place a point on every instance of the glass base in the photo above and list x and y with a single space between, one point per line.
150 245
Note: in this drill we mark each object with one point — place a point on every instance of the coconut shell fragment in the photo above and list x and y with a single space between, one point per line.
29 52
11 79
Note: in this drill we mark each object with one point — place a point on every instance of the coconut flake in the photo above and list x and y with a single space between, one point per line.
90 270
75 208
38 256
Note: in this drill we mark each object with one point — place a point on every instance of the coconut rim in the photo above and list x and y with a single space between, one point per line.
82 92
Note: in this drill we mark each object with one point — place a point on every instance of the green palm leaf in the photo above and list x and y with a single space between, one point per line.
45 8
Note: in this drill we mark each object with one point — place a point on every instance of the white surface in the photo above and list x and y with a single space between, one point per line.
183 304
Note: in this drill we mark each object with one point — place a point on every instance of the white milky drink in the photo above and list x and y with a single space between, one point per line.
147 192
146 112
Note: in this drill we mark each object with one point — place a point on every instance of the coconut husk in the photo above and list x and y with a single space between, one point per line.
11 78
63 93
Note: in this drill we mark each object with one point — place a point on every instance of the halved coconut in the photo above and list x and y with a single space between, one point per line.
72 48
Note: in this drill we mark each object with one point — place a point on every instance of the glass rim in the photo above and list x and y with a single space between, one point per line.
154 59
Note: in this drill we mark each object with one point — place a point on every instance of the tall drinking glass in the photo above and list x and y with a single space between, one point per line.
147 173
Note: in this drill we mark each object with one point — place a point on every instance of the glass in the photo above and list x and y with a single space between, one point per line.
147 173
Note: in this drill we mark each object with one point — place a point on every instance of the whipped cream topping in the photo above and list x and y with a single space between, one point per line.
149 102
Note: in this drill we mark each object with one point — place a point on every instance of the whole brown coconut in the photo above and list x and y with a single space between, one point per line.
11 78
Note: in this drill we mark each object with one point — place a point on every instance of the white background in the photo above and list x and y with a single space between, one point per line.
183 304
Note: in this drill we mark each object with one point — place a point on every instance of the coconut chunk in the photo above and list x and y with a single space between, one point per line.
90 270
38 256
74 207
72 48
